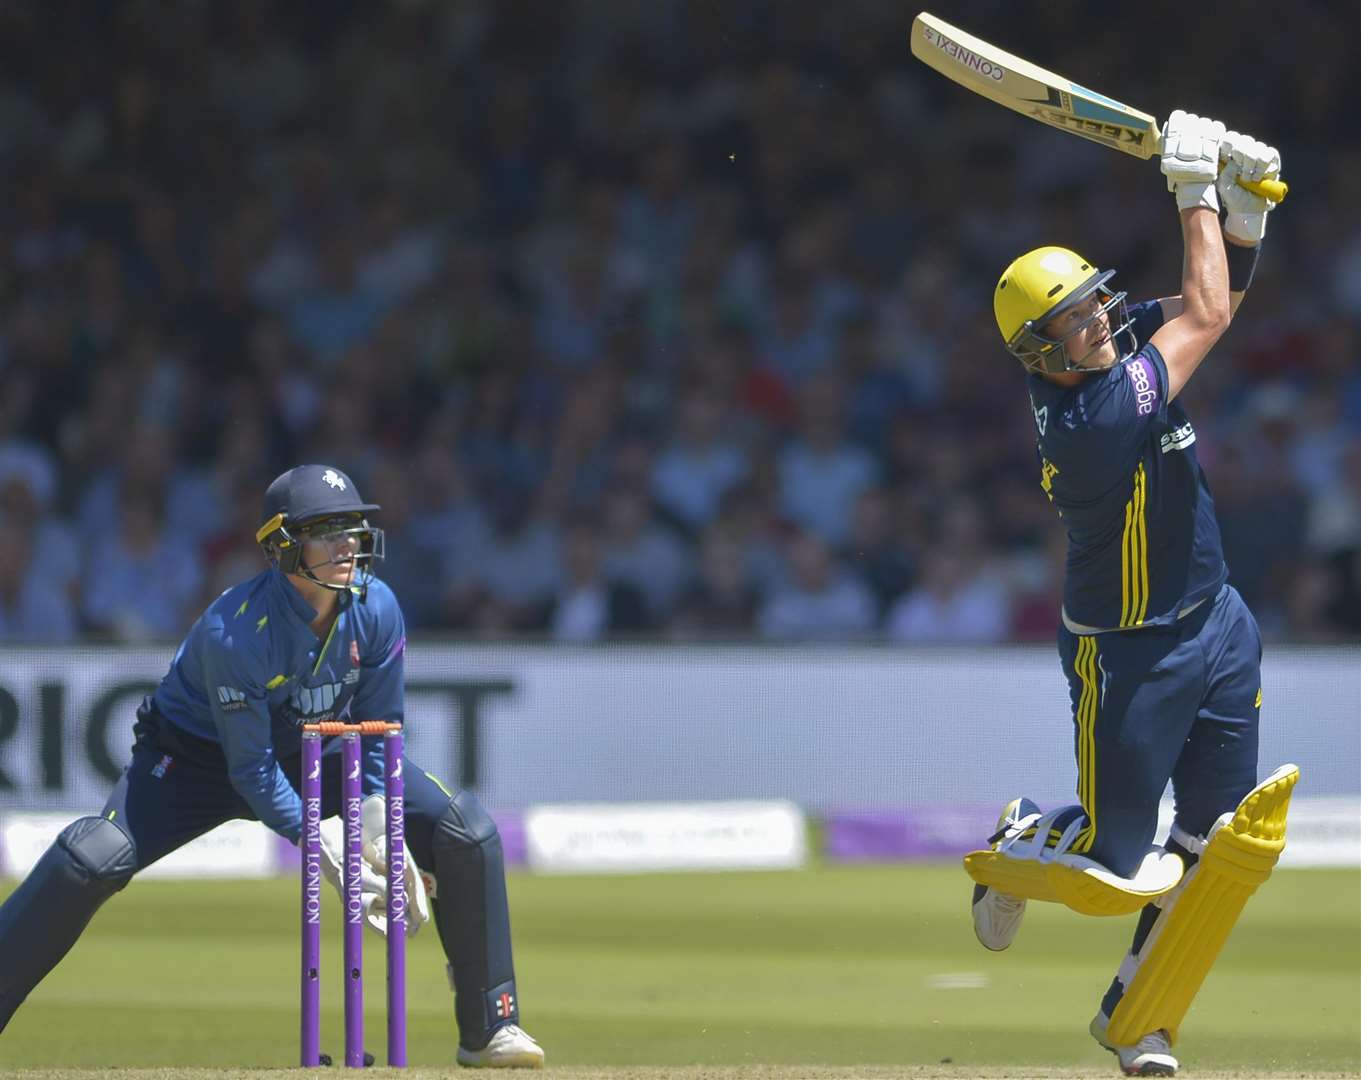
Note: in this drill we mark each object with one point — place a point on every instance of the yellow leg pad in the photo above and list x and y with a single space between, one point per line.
1024 878
1075 882
1186 940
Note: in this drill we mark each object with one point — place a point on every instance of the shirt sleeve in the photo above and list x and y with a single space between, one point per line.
240 712
1145 320
381 694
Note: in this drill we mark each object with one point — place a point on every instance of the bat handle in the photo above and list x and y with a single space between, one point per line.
1270 189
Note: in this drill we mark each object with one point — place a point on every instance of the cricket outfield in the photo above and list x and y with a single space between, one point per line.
828 973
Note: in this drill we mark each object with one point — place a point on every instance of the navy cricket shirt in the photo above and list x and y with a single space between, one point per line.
1118 460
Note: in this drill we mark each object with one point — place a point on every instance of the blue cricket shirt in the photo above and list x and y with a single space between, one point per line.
251 671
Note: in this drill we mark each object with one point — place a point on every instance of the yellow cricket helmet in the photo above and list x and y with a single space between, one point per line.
1040 285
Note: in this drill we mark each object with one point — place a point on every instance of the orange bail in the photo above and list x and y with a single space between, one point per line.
363 727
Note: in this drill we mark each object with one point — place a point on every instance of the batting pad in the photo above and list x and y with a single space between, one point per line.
1239 855
1075 881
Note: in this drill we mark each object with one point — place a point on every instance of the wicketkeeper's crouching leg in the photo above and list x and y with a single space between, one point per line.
89 861
456 843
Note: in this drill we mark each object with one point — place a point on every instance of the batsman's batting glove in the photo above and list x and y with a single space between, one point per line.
1250 160
1190 159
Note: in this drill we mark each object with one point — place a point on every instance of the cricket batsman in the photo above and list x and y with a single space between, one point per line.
1162 656
314 637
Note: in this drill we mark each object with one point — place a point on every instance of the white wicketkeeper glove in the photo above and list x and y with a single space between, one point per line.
1250 160
1190 159
372 885
376 857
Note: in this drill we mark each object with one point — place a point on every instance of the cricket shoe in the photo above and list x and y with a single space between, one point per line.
997 916
1150 1056
510 1048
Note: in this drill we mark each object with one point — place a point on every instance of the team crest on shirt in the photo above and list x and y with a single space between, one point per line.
354 653
334 479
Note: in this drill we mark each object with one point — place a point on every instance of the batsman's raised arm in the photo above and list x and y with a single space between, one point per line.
1191 150
1244 158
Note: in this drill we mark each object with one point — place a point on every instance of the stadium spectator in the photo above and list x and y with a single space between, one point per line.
142 580
702 462
722 603
821 470
644 552
954 601
591 604
821 601
34 608
876 550
28 479
510 577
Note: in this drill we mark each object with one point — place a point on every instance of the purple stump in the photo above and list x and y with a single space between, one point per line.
351 811
397 898
311 900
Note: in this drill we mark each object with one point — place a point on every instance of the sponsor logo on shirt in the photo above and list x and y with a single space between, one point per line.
230 698
1145 386
315 702
1178 439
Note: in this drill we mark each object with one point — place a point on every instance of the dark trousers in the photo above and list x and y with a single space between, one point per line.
1162 703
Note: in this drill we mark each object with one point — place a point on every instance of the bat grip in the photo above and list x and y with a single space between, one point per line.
1270 189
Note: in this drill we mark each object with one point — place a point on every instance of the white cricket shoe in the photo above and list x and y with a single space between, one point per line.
510 1048
997 916
1150 1056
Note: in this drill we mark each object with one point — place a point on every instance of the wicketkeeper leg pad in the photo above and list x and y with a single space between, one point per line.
1025 864
473 917
1239 854
90 860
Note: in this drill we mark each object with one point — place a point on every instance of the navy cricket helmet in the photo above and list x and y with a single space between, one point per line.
319 503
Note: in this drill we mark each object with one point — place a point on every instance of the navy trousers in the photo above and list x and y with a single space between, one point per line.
1162 703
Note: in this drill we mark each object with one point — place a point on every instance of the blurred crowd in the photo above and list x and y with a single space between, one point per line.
667 320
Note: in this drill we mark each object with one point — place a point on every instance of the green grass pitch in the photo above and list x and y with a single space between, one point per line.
829 972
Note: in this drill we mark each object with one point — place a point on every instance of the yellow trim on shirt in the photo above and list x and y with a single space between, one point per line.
326 645
1134 555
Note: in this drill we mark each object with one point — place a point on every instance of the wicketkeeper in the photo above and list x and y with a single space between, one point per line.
1162 657
314 637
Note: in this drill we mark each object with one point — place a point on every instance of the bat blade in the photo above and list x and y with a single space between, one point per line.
1031 90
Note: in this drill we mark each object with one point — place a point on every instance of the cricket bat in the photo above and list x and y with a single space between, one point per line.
1051 99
